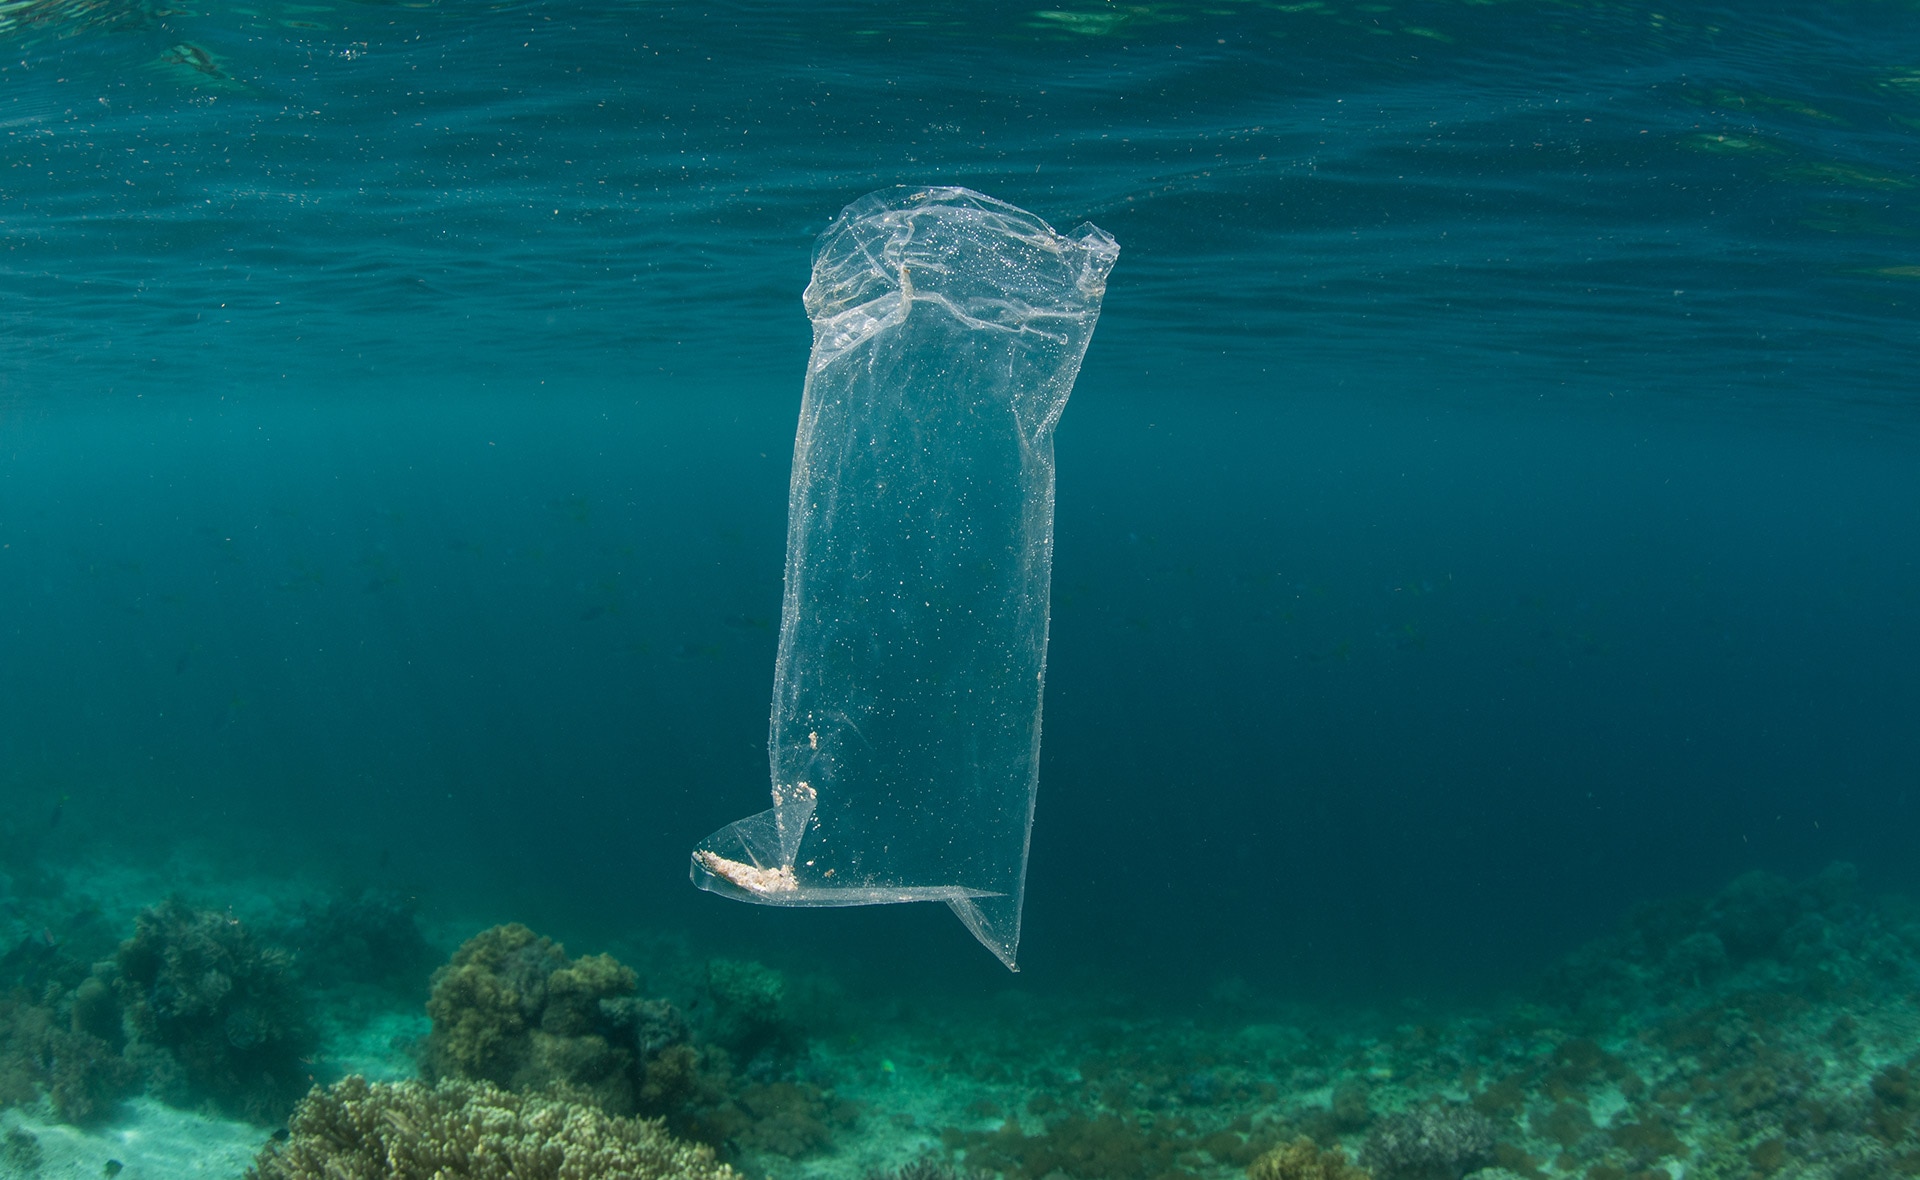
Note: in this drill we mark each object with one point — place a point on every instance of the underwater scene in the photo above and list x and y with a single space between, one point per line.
916 590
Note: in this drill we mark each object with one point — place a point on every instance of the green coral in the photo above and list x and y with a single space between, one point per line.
357 1130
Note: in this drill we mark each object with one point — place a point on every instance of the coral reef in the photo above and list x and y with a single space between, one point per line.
1670 949
456 1130
512 1009
751 1010
1101 1147
1434 1142
1764 1033
926 1168
370 937
80 1074
792 1119
211 1015
55 1038
1303 1159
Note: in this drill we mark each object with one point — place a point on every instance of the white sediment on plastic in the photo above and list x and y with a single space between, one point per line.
905 735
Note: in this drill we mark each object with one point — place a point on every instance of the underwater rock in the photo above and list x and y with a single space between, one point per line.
1441 1141
211 1015
457 1130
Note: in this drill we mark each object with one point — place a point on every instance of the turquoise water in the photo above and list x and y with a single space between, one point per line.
1490 501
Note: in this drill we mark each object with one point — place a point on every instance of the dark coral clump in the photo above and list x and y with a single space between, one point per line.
751 1012
512 1009
1441 1141
212 1015
191 1007
1668 949
81 1074
792 1119
372 937
57 1036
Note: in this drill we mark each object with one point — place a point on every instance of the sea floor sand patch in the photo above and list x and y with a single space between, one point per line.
149 1139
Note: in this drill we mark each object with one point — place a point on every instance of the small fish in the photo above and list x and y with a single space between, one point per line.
194 58
111 1169
47 940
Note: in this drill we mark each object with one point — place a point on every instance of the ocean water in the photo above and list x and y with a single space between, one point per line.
1490 503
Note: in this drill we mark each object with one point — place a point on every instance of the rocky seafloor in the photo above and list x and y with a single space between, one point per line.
168 1024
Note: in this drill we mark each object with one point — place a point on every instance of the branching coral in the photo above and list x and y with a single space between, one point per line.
356 1130
212 1015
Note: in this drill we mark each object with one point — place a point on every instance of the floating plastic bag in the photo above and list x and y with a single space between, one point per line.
948 328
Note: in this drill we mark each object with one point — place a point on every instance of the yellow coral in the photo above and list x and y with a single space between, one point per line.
357 1130
482 1001
1303 1160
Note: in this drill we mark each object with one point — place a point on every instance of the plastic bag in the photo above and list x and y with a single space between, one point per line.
905 735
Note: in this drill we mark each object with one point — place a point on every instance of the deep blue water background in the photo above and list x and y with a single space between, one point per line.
1491 497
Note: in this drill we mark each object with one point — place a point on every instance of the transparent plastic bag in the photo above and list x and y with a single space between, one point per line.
905 736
